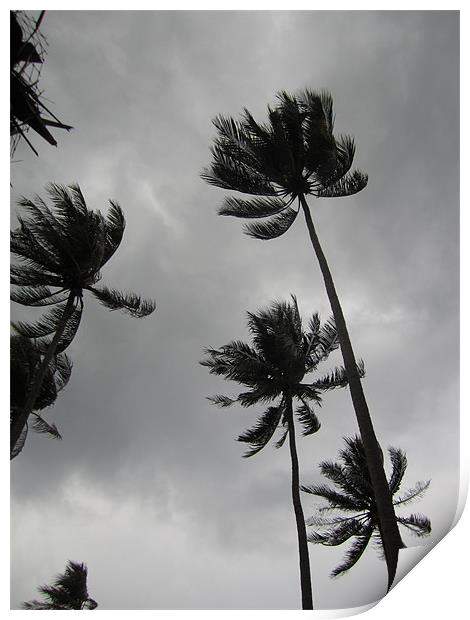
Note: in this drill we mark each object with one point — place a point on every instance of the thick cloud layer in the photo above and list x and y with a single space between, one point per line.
147 486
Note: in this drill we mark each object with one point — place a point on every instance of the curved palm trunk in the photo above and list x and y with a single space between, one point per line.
19 423
388 525
305 579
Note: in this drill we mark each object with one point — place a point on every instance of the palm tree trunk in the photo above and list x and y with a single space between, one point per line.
305 579
388 525
19 423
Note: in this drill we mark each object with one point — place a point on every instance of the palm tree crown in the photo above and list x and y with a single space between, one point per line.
293 155
352 509
24 360
61 252
281 355
69 591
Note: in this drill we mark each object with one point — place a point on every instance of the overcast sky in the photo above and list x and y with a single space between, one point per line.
148 486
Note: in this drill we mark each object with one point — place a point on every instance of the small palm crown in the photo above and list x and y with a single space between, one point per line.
356 498
274 367
294 154
69 591
62 250
24 360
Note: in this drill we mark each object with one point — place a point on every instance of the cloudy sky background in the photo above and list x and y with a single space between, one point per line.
148 486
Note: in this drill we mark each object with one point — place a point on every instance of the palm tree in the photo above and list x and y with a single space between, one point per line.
27 106
63 250
69 591
279 164
273 369
24 360
353 510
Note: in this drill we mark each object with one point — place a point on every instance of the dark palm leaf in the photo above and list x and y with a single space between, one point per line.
418 524
336 378
348 185
354 553
19 445
399 465
40 425
260 434
221 401
38 296
308 419
128 302
272 228
415 493
257 207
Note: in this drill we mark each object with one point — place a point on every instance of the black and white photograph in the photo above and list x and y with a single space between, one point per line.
234 321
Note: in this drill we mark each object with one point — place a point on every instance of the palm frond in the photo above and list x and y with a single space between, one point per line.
46 325
324 340
257 207
127 302
115 224
40 425
239 362
19 445
348 185
22 275
38 296
308 419
221 401
227 172
418 524
265 392
336 378
273 227
354 553
416 492
399 465
260 434
282 439
61 366
335 500
345 150
337 535
69 333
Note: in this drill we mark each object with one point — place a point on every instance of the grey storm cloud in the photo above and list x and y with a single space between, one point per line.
148 486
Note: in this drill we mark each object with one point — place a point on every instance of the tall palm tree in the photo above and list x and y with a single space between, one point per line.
280 163
273 370
62 250
69 591
24 360
351 507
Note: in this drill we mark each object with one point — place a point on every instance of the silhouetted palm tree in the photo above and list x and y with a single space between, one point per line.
24 360
69 591
280 163
63 250
273 369
27 107
352 510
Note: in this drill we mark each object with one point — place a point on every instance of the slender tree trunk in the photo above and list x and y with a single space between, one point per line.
19 423
388 525
305 579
